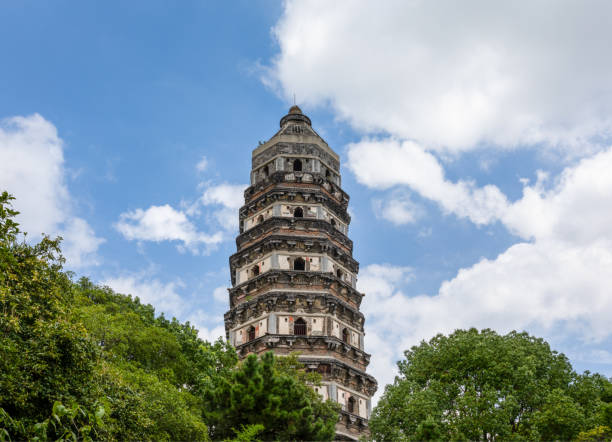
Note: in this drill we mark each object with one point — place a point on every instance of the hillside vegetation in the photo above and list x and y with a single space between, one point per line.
79 361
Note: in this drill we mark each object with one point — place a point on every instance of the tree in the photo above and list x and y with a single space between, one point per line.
484 386
270 392
79 361
44 357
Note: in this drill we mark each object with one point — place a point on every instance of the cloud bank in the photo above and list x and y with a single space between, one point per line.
32 169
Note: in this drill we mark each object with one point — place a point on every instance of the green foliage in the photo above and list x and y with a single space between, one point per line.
44 357
269 392
125 373
602 433
475 385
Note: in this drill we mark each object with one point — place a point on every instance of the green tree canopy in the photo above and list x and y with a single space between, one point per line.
479 385
271 392
80 361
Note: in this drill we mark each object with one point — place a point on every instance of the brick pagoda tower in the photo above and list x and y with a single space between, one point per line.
294 275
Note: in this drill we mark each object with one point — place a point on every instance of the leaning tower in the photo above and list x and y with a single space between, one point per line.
293 276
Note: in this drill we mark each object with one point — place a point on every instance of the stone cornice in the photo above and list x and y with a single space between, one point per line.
291 243
291 183
295 279
353 359
301 226
343 373
294 302
295 144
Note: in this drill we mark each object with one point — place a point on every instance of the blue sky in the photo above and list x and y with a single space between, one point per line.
474 145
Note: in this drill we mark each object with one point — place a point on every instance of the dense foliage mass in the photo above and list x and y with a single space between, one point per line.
79 361
475 385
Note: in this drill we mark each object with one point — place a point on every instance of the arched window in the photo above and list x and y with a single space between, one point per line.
260 219
299 327
299 264
297 165
339 274
298 212
350 404
266 170
251 333
255 270
345 335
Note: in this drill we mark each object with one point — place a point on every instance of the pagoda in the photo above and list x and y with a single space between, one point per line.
294 276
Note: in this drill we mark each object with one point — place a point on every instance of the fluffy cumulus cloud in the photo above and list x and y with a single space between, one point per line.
164 223
32 169
427 81
454 75
556 283
218 205
382 164
166 298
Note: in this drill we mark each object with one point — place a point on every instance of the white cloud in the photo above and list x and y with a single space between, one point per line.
164 223
225 200
398 209
382 164
80 243
556 285
453 75
32 169
202 164
220 294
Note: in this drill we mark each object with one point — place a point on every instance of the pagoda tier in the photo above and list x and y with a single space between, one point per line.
294 276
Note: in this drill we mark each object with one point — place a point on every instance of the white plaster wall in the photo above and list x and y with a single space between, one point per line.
354 339
363 407
315 264
239 336
286 210
322 390
336 330
283 262
317 324
261 327
342 396
283 325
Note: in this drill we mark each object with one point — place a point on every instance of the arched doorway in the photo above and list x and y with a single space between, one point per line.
345 335
251 333
299 327
297 165
299 264
298 212
350 404
255 271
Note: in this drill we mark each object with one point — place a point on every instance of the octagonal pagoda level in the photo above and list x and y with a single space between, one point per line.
294 276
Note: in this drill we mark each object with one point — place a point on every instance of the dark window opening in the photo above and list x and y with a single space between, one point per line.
299 264
339 273
350 404
333 222
299 327
327 174
266 171
255 270
260 219
345 335
297 165
251 333
298 213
